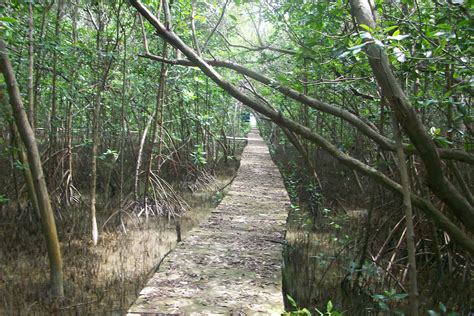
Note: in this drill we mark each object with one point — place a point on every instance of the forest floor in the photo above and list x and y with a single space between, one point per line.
100 280
231 263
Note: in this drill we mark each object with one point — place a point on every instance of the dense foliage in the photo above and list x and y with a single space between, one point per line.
124 100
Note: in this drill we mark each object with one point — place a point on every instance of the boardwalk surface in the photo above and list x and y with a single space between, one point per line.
230 264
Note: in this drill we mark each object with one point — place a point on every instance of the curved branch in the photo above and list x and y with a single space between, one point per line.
456 233
439 184
193 27
384 142
258 48
215 26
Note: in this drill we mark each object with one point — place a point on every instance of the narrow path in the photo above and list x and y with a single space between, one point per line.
231 264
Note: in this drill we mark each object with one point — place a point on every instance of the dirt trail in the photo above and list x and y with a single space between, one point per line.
231 263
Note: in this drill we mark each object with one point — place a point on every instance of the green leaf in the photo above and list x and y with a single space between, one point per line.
442 307
329 306
366 27
442 141
400 296
379 43
7 19
19 165
343 55
3 199
365 35
390 28
378 297
358 47
398 37
384 306
292 301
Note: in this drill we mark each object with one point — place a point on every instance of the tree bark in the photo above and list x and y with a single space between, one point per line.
95 131
31 93
30 187
193 27
410 231
34 160
411 123
53 114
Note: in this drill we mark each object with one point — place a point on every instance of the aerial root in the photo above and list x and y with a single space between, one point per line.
204 181
160 200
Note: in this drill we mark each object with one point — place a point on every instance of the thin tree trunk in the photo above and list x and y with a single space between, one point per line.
122 118
30 187
158 126
34 160
410 232
39 56
53 114
68 185
193 27
31 94
95 133
93 179
140 154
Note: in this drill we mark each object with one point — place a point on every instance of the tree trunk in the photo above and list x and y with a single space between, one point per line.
140 155
410 231
53 114
31 94
30 187
34 160
411 123
95 132
158 118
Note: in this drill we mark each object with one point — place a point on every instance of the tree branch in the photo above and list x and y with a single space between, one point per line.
215 26
456 233
384 142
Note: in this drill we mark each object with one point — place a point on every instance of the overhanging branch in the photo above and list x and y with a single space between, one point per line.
384 142
441 220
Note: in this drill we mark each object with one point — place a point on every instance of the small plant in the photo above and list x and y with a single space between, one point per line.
326 212
329 310
294 207
3 199
387 299
442 311
304 311
110 154
199 156
218 196
298 311
20 166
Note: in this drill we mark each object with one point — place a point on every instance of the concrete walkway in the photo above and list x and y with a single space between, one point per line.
231 263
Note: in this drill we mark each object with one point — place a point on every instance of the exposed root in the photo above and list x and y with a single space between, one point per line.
66 194
204 181
160 200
